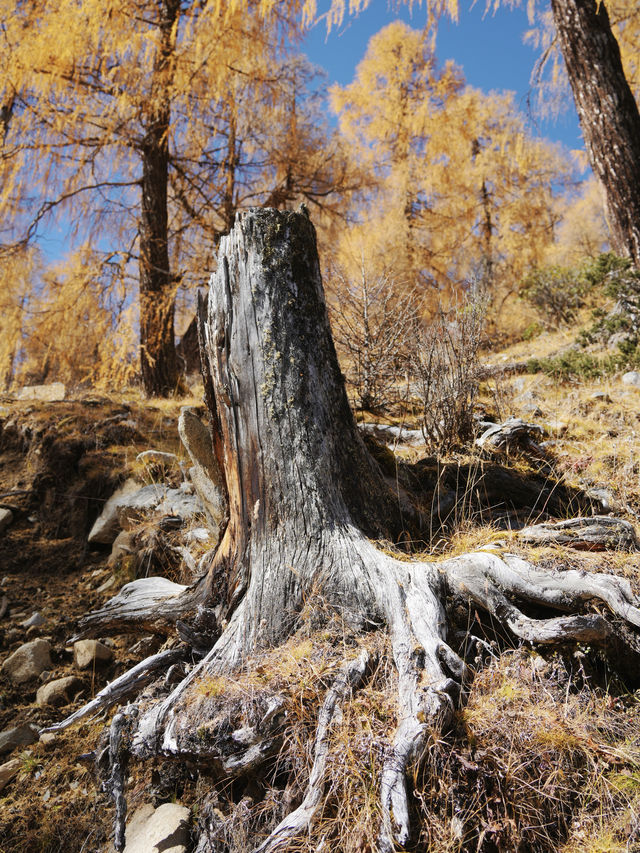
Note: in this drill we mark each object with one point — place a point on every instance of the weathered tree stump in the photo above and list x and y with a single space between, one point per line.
305 502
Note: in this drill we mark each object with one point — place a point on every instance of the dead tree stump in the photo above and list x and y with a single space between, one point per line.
305 502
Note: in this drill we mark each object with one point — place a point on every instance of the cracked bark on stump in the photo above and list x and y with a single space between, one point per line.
305 500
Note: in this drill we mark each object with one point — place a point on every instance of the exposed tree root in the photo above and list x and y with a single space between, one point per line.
129 683
298 822
407 597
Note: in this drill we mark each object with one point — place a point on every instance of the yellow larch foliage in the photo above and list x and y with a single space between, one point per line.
458 188
106 104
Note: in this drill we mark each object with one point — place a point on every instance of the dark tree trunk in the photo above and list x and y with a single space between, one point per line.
157 284
608 113
305 500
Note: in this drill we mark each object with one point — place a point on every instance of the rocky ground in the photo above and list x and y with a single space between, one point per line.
61 461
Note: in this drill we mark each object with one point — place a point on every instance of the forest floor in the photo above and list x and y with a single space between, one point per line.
544 756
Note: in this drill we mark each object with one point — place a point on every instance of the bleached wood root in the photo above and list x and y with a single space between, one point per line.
513 434
118 759
151 605
596 533
130 682
359 579
299 821
487 578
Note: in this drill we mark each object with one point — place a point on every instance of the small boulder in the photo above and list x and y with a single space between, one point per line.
180 503
17 736
158 461
123 546
88 653
163 829
106 527
51 393
632 378
36 620
140 504
28 661
59 692
6 517
126 507
8 770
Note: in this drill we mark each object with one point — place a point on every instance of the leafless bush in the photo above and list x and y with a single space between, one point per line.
374 322
446 370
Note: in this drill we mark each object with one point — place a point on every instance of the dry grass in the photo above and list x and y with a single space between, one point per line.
540 762
54 806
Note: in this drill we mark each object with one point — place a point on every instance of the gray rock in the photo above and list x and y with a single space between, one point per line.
107 526
141 503
34 621
59 692
604 497
8 770
28 661
632 378
163 829
556 427
51 393
123 546
205 473
17 736
6 517
178 502
88 653
47 738
126 507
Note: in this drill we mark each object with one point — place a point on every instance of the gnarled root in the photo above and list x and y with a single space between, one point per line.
356 578
147 604
299 821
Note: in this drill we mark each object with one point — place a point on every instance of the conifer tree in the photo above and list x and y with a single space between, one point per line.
142 126
460 186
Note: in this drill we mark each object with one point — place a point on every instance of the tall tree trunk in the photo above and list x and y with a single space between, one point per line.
305 500
157 284
608 113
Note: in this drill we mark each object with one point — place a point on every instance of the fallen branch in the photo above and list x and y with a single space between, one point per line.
598 533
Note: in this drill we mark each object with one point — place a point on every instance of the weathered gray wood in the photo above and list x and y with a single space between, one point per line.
513 434
299 821
130 682
598 533
144 605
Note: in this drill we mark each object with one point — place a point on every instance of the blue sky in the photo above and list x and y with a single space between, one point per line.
488 47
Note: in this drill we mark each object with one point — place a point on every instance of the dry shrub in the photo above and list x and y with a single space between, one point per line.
373 322
446 370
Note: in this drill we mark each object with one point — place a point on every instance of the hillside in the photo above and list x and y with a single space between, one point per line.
543 750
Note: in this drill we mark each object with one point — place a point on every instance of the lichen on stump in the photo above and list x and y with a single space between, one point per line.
305 502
